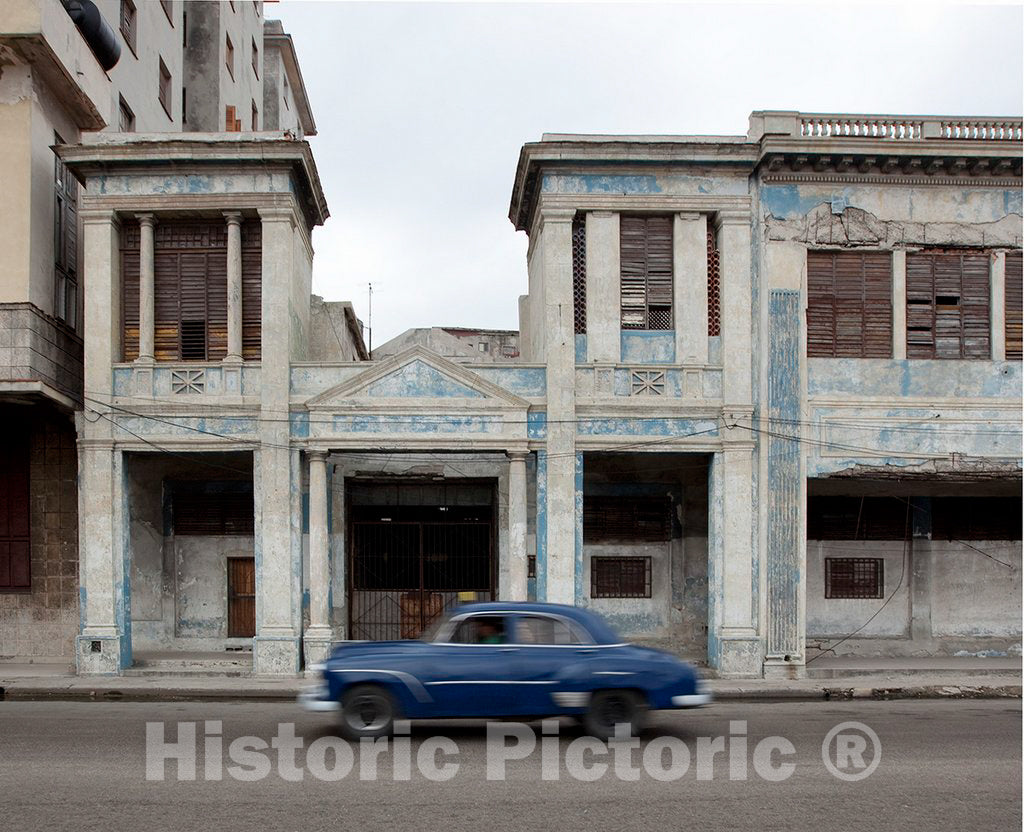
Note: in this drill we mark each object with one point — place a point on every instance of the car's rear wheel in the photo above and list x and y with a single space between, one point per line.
610 708
367 711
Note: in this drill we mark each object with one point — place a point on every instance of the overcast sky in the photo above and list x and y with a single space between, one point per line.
421 109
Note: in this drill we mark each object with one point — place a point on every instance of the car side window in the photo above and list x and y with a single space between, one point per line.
541 629
480 629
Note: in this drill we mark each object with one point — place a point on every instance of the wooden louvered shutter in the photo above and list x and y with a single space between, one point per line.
217 304
129 291
1013 305
633 269
849 304
645 257
193 324
252 290
975 305
167 312
920 307
659 273
948 305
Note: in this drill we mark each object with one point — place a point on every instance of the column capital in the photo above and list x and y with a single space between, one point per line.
273 214
317 456
739 216
99 216
689 216
233 217
146 219
517 456
557 215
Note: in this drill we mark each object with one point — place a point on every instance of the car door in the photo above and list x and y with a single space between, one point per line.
548 647
476 668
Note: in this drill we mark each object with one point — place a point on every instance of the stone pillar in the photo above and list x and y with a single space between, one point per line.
997 305
556 226
234 220
736 300
278 571
102 274
516 590
734 644
318 635
104 645
147 288
899 305
690 291
603 325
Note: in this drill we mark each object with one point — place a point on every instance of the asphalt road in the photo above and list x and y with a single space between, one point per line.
943 765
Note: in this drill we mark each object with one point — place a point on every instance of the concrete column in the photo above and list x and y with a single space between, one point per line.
278 572
104 645
102 274
147 287
690 291
997 305
734 646
603 325
318 635
737 334
899 305
560 560
234 220
516 590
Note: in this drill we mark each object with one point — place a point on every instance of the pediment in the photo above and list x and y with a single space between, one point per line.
417 375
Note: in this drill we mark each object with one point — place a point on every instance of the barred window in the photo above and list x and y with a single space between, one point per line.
854 577
645 253
628 577
627 519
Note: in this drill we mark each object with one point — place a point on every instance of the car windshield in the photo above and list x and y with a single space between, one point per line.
430 634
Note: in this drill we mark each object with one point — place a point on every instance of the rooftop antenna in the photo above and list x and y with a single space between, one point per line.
369 319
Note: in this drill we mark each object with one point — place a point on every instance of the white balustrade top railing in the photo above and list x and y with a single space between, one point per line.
884 127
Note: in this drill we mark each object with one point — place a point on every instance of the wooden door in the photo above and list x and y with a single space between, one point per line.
241 597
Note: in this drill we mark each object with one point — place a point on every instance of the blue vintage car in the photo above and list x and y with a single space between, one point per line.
504 660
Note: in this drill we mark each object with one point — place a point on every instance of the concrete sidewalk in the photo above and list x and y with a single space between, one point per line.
838 678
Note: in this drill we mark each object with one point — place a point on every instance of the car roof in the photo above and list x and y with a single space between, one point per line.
599 629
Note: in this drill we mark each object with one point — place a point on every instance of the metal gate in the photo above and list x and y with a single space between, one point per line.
405 574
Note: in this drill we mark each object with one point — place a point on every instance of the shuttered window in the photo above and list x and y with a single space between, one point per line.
627 519
15 543
849 304
645 250
1013 305
212 509
976 518
190 288
65 243
858 518
948 305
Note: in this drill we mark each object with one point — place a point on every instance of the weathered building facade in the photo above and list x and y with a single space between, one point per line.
767 402
68 70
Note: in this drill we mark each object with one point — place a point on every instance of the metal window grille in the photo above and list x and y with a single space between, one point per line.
854 577
628 577
714 286
579 274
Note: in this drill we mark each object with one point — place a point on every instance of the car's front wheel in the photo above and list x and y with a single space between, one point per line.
367 711
610 708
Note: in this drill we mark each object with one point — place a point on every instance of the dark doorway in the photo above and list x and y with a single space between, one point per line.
416 551
241 597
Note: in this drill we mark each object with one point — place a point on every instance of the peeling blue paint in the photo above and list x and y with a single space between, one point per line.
541 591
299 424
599 184
537 424
893 378
647 427
581 348
785 529
419 379
414 424
578 508
643 346
787 201
528 382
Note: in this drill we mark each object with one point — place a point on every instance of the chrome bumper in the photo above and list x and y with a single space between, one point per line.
691 700
316 698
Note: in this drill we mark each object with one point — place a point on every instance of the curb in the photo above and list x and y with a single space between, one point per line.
835 694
